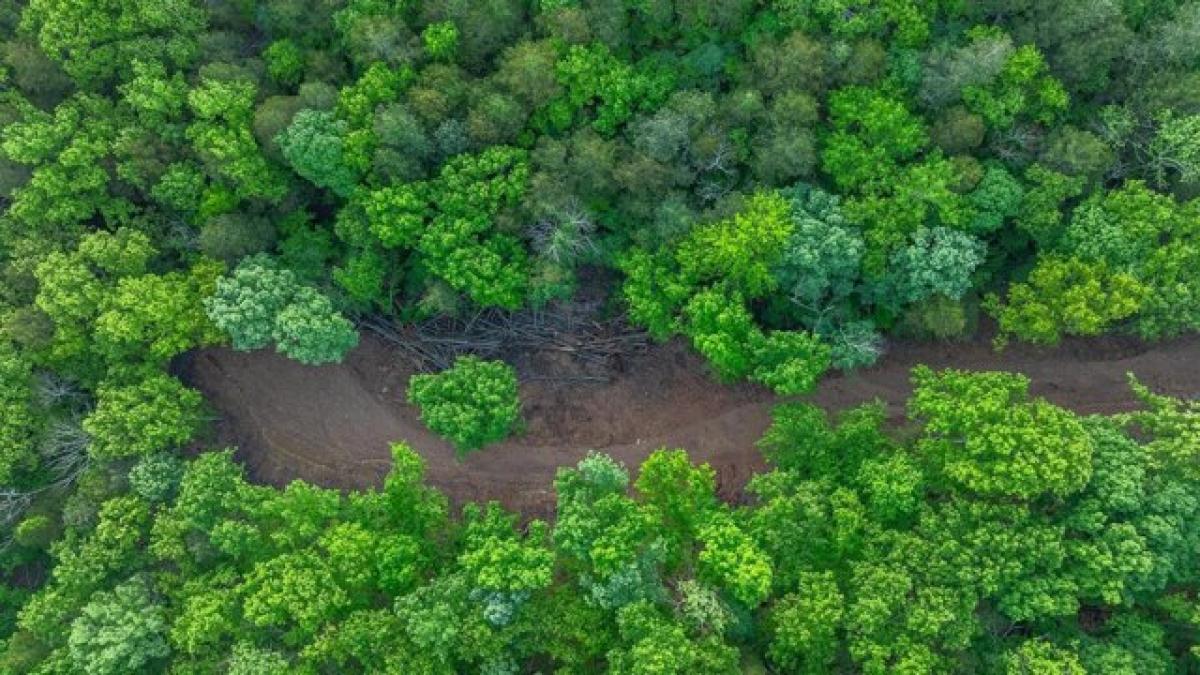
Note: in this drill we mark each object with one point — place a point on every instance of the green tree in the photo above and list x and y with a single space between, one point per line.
871 133
245 303
158 413
308 330
285 62
93 41
260 303
472 404
936 262
731 560
223 137
1039 656
315 146
20 422
722 329
790 362
681 497
741 250
592 75
1070 297
119 632
820 265
654 643
805 625
440 40
157 316
984 433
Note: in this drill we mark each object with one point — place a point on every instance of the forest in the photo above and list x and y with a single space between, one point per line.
783 187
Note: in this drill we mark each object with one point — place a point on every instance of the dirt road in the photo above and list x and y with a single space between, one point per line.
331 425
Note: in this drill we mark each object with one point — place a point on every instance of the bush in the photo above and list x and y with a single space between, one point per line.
471 404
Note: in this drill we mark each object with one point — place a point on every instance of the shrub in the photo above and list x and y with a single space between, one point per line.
471 404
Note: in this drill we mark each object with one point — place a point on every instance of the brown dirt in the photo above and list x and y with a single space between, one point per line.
331 425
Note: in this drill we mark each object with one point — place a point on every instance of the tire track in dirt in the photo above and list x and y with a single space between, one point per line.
332 425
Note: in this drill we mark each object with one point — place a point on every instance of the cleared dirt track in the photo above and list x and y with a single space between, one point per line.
331 425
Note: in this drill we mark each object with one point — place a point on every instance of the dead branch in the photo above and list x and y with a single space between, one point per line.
574 330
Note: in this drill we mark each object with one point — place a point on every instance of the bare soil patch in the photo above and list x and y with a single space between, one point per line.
332 425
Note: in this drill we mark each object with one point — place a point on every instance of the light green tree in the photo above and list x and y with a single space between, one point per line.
472 404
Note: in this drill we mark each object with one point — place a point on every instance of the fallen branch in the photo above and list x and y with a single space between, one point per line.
573 330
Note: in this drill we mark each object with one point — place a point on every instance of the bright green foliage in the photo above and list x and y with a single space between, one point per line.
378 84
722 329
741 250
592 75
155 414
650 133
1150 237
790 362
801 439
654 643
447 222
157 316
19 419
852 547
224 141
396 215
93 41
1038 656
872 132
603 534
119 632
1041 215
919 195
1122 227
249 660
731 560
1023 88
440 40
68 183
260 303
702 293
297 592
106 309
1067 297
428 160
681 497
502 566
472 404
804 625
985 434
157 97
908 20
653 291
285 62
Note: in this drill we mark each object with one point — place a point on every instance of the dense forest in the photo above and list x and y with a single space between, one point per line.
785 185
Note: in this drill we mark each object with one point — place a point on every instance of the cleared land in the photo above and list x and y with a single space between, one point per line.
332 425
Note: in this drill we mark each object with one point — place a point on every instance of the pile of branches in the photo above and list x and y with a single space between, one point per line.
574 330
